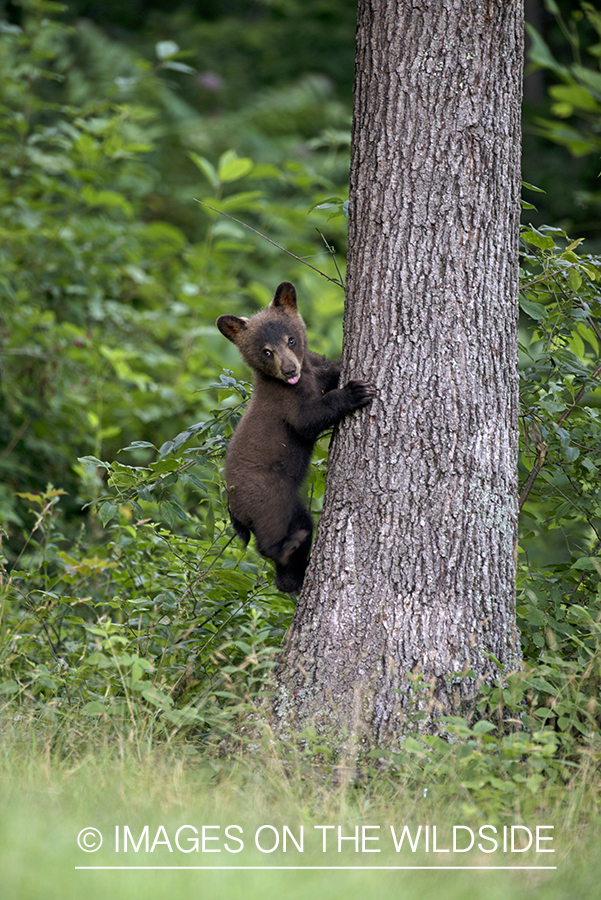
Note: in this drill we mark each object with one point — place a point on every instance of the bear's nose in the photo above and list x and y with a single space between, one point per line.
289 371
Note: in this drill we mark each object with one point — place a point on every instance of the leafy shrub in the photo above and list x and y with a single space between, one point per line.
144 626
559 584
107 313
123 597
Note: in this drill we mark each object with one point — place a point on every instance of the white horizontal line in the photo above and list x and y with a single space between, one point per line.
312 868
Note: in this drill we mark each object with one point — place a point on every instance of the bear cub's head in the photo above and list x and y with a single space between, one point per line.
273 341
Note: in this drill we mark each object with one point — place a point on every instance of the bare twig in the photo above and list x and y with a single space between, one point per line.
332 253
542 453
293 255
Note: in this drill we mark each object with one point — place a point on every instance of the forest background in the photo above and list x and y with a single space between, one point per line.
130 622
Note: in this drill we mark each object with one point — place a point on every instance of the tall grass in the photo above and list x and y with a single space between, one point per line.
52 786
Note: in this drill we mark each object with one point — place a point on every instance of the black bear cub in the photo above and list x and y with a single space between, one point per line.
295 398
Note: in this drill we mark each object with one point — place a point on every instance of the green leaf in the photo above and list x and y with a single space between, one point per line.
107 512
590 78
533 187
540 54
232 167
574 95
535 310
93 461
165 449
483 727
588 563
106 199
327 204
561 133
138 445
157 697
94 708
165 465
179 67
207 169
210 521
169 513
539 240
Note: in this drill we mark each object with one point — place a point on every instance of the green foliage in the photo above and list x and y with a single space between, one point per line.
93 298
559 599
571 116
107 313
241 47
557 143
124 600
576 100
486 765
122 595
148 626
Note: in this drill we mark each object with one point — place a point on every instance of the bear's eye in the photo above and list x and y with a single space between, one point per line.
291 342
267 353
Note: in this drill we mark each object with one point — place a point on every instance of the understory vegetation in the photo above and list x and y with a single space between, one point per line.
131 620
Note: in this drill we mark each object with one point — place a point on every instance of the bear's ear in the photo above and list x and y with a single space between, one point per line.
231 327
285 297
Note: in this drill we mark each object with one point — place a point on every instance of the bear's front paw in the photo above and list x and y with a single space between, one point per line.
360 393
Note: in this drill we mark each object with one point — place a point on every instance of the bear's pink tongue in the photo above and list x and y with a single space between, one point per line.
294 380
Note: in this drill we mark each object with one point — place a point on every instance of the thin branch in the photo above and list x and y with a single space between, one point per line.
524 287
591 321
542 447
332 253
578 397
542 453
227 216
570 596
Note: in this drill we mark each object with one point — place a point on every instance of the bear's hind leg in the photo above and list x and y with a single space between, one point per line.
241 530
284 529
289 578
291 565
292 543
294 531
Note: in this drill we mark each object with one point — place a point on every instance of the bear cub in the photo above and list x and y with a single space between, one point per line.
296 396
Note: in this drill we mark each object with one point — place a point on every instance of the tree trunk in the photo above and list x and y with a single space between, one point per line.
413 569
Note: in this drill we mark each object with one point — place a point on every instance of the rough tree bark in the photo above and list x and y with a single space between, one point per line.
413 567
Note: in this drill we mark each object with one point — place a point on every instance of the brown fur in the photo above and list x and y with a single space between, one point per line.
295 398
